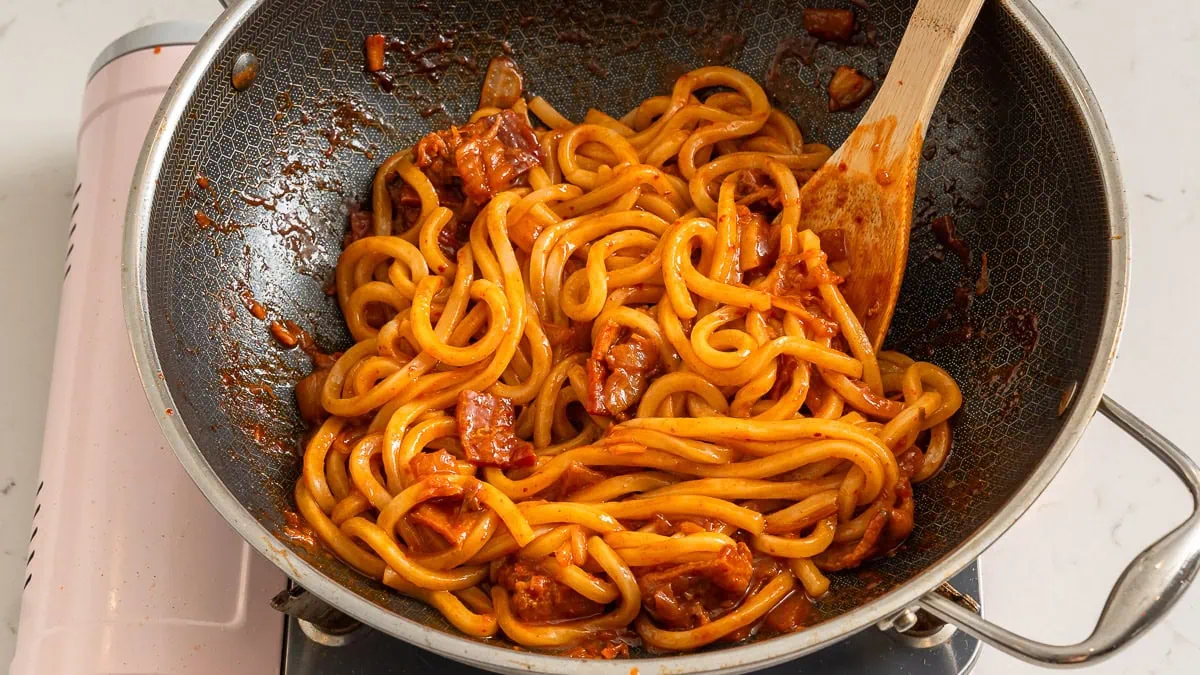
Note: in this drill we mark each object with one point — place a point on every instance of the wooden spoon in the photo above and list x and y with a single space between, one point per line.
866 188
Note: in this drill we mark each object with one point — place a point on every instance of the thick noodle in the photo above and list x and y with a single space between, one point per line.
694 426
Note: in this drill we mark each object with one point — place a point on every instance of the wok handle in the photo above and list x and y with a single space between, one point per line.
1146 590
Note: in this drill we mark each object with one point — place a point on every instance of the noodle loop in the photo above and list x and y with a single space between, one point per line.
603 386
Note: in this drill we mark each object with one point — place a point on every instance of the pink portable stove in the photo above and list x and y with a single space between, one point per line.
130 571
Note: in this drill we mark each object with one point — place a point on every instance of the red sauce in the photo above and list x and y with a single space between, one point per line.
281 331
798 274
298 531
286 331
572 338
754 185
253 306
1022 325
283 104
791 615
984 281
260 434
253 200
361 225
431 60
595 68
833 244
782 82
947 235
374 50
347 118
603 647
430 111
205 184
852 553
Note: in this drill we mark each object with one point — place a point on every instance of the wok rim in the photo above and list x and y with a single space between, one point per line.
731 660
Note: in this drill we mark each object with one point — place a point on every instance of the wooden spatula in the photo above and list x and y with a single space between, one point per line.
866 188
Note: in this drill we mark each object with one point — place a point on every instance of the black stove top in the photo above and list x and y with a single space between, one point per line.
870 651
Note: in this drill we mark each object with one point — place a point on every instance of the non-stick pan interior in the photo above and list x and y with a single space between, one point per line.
1008 163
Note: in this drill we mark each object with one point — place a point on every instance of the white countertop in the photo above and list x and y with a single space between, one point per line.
1047 578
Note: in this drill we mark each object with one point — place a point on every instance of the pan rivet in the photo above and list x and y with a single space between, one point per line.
905 621
901 622
245 69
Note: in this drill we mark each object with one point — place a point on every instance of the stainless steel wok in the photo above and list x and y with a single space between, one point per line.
1018 156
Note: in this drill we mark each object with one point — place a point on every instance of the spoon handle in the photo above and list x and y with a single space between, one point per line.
927 52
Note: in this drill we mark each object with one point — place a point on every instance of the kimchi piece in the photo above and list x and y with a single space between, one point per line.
485 425
691 594
488 155
536 598
848 88
829 24
619 372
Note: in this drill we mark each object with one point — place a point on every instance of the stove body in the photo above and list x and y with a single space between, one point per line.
940 651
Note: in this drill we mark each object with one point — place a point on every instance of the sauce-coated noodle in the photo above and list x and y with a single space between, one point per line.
604 389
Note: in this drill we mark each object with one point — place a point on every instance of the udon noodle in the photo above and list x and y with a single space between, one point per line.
604 388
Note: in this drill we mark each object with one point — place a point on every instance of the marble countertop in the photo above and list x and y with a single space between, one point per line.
1046 578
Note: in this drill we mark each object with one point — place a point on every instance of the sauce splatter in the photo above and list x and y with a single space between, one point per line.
255 200
296 530
947 236
283 104
431 60
1064 399
256 309
347 119
282 332
205 184
984 281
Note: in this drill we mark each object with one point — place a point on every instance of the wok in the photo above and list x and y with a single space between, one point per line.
1018 158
